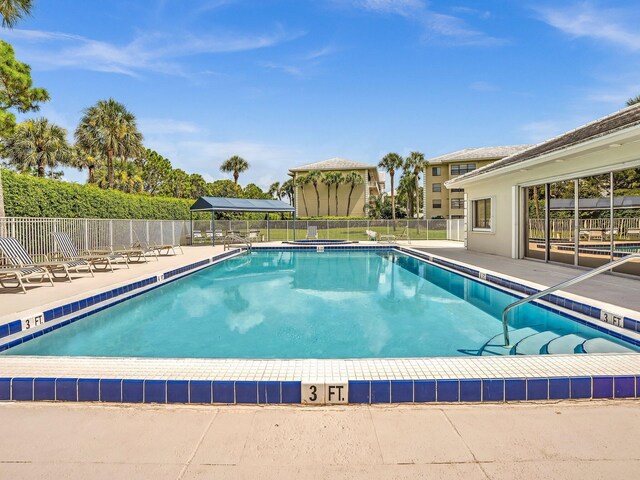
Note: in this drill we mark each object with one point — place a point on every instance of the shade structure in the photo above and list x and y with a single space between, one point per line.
595 203
222 204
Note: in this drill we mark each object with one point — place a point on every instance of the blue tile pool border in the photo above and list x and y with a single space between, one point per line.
205 392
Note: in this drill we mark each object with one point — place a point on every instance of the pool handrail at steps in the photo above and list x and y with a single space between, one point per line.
230 239
560 286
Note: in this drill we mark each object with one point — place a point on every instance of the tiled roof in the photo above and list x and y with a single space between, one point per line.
481 153
335 163
625 118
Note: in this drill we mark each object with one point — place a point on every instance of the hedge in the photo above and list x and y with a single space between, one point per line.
28 196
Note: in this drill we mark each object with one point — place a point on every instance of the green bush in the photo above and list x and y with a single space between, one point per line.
27 196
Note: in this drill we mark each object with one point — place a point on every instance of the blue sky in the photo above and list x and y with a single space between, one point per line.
283 83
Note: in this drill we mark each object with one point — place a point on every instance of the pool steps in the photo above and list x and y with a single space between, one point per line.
529 341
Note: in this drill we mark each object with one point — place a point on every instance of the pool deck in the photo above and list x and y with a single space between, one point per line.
617 290
568 440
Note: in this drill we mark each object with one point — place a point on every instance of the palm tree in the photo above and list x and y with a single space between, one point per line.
416 161
83 159
327 179
275 190
13 10
633 100
109 129
354 179
38 144
391 162
406 190
287 189
338 179
235 164
127 176
301 182
315 177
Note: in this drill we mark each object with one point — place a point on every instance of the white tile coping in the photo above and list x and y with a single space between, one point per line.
535 366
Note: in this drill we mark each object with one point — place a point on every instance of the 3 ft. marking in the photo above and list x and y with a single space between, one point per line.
321 393
32 322
611 318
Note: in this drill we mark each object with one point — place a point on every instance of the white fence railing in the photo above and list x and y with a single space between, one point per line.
91 233
563 228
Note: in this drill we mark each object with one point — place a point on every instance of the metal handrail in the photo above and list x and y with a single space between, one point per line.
559 286
235 240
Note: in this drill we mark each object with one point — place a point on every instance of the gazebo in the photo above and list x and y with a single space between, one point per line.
222 204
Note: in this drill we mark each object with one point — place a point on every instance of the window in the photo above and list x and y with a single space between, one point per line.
456 217
436 203
436 187
482 214
457 190
457 203
462 168
436 171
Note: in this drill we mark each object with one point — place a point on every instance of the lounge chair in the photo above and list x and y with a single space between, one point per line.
312 233
70 252
372 235
254 236
18 258
633 232
22 276
161 249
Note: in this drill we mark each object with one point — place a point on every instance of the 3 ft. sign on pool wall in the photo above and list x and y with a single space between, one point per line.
318 393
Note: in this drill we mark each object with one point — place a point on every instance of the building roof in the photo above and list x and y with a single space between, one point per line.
481 153
625 118
222 204
335 163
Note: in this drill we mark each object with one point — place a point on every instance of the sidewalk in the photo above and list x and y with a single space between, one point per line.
585 440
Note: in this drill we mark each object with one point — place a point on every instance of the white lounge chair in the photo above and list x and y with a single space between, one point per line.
312 233
19 259
23 276
372 235
70 252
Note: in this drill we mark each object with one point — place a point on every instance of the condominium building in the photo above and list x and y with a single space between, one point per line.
349 202
438 201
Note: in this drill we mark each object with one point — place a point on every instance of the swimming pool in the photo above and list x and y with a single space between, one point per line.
305 304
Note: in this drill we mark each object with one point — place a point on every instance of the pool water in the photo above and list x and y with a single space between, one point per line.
284 304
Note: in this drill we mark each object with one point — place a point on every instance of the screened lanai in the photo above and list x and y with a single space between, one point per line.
222 204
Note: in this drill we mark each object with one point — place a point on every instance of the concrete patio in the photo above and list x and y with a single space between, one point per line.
585 440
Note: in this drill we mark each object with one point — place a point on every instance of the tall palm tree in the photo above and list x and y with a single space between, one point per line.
338 179
391 162
328 179
234 164
38 144
275 190
300 182
109 129
287 189
354 179
315 177
416 162
13 10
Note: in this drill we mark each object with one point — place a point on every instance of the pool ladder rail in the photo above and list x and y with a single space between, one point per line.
560 286
230 240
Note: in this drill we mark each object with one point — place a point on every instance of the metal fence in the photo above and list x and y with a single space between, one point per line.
91 233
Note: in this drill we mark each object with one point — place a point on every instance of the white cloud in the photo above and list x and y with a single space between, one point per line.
269 162
585 20
290 69
165 126
437 25
154 52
